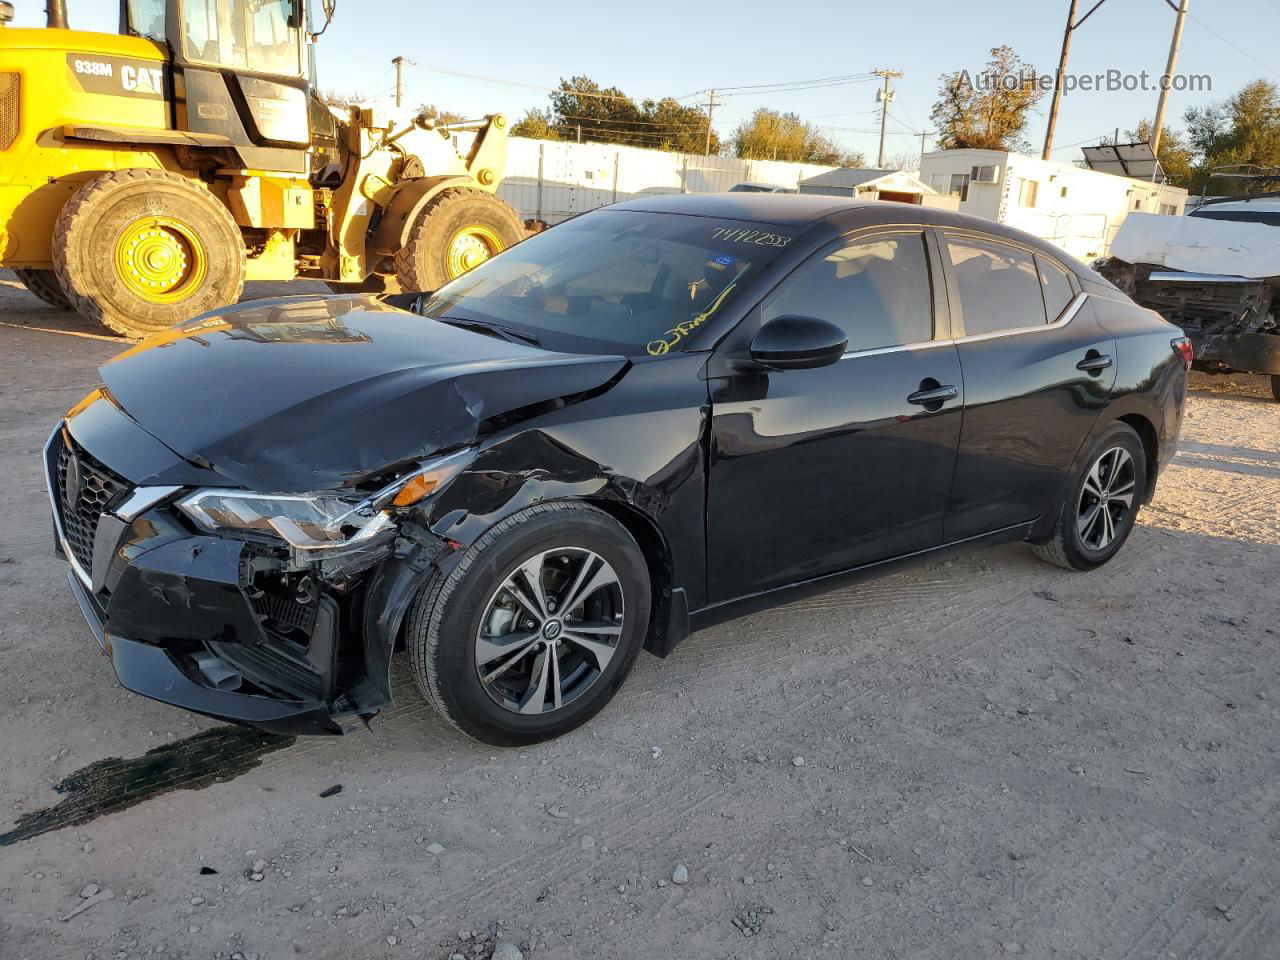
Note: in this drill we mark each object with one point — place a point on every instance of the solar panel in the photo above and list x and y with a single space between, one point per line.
1126 160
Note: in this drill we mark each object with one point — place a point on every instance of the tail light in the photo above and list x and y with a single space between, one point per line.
1182 347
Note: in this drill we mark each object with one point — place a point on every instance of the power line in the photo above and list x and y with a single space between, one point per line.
1233 45
777 90
845 78
627 120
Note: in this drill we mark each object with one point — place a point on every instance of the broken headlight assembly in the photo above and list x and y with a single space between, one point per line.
320 526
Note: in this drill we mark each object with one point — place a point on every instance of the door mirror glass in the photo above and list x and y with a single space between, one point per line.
798 343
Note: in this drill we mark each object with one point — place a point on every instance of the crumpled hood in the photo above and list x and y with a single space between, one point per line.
315 393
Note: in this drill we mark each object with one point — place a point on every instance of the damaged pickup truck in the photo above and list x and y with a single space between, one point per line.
643 421
1215 273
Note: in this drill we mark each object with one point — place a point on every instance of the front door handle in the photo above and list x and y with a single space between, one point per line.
935 395
1094 363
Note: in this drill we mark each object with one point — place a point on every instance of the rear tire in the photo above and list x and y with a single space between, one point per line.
44 284
1112 479
458 230
461 626
1275 386
142 250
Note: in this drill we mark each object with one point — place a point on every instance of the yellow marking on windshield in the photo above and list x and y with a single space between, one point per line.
672 337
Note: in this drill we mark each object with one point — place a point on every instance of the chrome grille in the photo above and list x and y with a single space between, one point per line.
10 84
85 488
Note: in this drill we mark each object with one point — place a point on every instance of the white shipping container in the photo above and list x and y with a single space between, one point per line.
551 181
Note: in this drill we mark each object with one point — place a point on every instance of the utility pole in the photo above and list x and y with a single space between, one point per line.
1157 130
712 103
885 96
1072 26
923 135
399 65
1060 79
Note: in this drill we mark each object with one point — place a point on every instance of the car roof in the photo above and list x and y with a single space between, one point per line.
807 209
778 209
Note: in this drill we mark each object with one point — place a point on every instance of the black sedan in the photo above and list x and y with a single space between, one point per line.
645 420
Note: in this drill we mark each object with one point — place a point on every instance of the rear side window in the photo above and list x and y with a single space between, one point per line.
1058 292
999 286
876 290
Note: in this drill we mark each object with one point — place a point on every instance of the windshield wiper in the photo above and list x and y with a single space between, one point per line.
493 329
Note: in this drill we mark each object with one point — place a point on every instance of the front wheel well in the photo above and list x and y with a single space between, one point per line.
1146 432
657 556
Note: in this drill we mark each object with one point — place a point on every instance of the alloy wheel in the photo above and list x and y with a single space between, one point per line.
1106 499
550 630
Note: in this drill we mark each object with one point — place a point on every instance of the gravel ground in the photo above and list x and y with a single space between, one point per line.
981 757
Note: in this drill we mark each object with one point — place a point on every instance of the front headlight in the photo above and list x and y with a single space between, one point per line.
320 525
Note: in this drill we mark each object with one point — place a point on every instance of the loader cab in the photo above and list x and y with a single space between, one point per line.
241 70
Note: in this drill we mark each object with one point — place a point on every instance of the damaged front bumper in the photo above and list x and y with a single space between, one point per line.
224 627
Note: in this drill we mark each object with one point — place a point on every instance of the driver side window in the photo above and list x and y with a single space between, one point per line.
875 289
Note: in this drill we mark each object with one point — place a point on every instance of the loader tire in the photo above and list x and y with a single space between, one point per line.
44 284
142 250
458 230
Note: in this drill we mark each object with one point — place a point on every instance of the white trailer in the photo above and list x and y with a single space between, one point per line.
1077 209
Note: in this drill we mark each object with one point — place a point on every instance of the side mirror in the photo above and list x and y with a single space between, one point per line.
798 343
329 7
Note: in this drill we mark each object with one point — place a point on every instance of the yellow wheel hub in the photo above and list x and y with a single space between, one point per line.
470 247
161 259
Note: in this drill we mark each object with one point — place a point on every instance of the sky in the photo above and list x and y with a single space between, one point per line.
510 52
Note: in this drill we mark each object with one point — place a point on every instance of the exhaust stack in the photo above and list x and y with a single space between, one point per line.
56 12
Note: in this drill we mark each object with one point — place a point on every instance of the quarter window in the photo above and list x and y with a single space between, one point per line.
1058 292
999 286
876 290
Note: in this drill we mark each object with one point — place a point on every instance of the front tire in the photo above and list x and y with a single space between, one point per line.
536 628
458 230
1275 386
44 284
1099 511
143 250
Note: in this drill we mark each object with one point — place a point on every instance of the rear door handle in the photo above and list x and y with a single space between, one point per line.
937 395
1095 363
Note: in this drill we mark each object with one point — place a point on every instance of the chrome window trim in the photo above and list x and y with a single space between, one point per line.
900 348
1064 318
51 485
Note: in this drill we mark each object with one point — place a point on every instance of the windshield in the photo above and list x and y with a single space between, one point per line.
624 281
260 36
1270 217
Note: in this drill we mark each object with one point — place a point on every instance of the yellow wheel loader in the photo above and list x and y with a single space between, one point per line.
145 176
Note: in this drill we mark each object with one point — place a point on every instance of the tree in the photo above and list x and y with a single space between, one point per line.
535 124
988 112
1244 129
771 135
335 98
581 108
907 160
438 115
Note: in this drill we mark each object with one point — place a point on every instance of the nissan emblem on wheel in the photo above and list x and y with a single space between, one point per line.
648 419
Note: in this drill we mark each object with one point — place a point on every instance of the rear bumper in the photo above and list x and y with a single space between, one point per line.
152 671
1245 352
